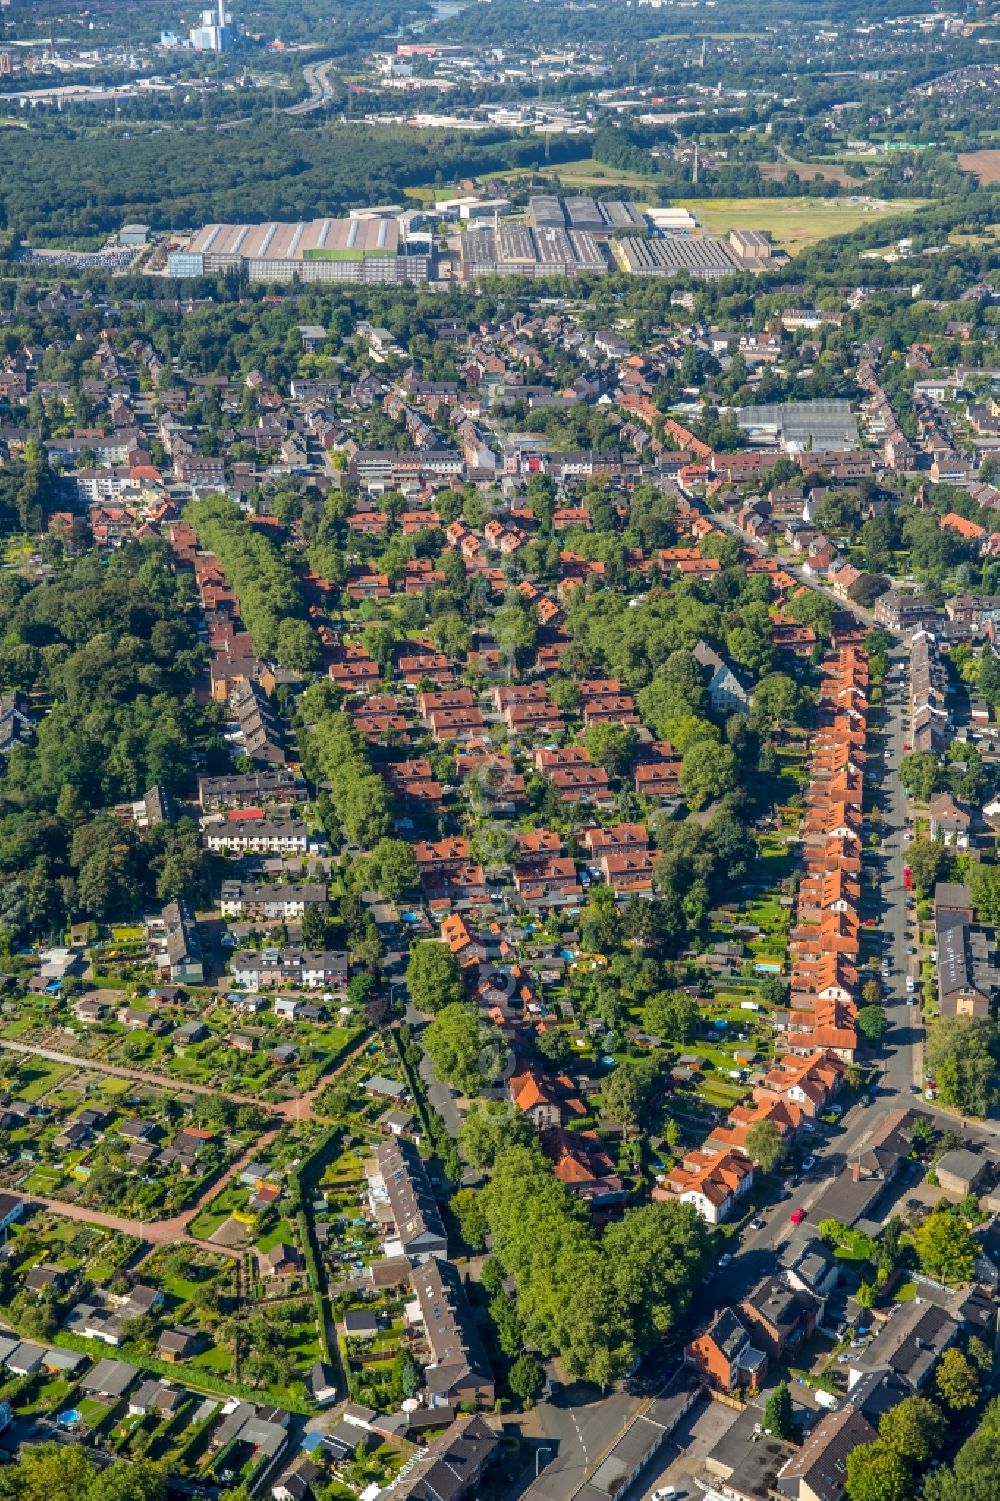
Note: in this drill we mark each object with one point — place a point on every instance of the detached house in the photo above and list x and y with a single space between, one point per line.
714 1182
725 1356
950 821
727 692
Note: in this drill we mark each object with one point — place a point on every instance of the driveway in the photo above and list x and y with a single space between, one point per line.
681 1458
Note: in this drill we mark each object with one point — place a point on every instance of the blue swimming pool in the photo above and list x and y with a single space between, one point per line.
69 1417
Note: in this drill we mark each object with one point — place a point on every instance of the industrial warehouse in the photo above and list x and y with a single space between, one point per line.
577 236
361 249
513 249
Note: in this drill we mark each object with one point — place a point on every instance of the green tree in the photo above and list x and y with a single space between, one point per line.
525 1378
915 1429
488 1128
392 868
462 1047
314 927
624 1093
612 746
920 775
875 1472
49 1472
140 1481
980 1354
433 976
872 1024
468 1208
508 1324
707 772
957 1381
493 846
777 703
984 886
928 862
405 1375
671 1015
658 1254
962 1054
298 646
973 1475
765 1146
553 1045
777 1416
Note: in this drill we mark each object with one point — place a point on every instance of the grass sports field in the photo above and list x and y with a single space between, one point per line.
793 223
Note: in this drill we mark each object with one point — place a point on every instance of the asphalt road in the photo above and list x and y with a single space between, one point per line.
576 1429
439 1096
903 1043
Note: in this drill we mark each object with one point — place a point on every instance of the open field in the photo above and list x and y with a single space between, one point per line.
793 223
806 171
985 165
988 237
586 173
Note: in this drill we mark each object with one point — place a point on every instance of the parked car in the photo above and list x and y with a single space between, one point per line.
809 1163
725 1259
758 1223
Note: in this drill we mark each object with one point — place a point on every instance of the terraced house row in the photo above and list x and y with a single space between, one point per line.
827 936
816 1033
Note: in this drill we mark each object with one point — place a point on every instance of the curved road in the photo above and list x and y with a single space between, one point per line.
317 80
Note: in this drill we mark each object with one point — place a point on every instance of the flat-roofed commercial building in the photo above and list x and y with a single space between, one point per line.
825 425
750 244
544 210
514 249
618 213
362 249
705 256
583 213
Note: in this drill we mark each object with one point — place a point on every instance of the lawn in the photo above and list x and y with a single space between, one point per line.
590 173
44 1181
282 1232
794 223
218 1359
38 1078
204 1226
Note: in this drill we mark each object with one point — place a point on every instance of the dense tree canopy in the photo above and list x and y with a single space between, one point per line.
595 1302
